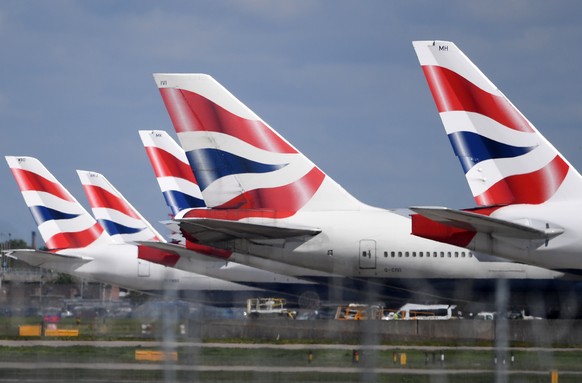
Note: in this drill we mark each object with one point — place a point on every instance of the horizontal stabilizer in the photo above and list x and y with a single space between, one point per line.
40 258
475 222
207 230
181 251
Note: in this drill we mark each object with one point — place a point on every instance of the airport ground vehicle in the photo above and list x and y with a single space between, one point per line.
413 311
268 307
356 311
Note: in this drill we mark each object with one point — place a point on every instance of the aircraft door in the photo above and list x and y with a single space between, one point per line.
367 254
143 268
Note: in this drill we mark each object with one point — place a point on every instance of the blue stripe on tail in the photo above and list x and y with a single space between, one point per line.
212 164
472 148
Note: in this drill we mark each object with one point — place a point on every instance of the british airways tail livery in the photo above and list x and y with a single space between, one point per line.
173 172
238 159
119 218
527 193
78 245
62 222
504 157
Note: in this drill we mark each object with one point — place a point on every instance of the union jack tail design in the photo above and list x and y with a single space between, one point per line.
62 222
115 214
240 162
173 172
505 159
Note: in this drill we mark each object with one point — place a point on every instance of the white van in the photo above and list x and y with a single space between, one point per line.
413 311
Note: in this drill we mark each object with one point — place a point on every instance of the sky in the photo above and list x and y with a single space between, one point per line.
339 79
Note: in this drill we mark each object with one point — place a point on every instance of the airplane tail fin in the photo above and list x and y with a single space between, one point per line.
173 173
115 214
240 162
504 157
62 222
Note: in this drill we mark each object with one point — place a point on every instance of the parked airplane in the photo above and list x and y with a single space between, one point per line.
78 245
266 199
123 222
527 193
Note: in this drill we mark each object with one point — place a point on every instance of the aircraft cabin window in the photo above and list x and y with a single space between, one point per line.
434 254
462 254
392 254
420 254
414 254
442 254
400 254
448 254
406 254
456 254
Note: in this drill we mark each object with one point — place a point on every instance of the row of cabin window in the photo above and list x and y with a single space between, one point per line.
421 254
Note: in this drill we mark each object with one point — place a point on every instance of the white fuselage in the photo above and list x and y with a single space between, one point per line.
119 265
378 243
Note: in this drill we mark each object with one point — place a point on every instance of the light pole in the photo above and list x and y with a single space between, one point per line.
4 246
3 256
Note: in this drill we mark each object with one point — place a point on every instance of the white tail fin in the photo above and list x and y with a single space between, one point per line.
115 214
62 222
239 161
505 159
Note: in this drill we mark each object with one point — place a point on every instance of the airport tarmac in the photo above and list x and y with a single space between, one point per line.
279 346
250 362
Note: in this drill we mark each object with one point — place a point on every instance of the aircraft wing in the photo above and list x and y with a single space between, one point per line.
207 230
40 258
484 224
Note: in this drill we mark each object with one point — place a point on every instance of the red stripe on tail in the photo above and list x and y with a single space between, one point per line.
531 188
191 112
453 92
279 202
166 165
75 239
99 197
29 181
